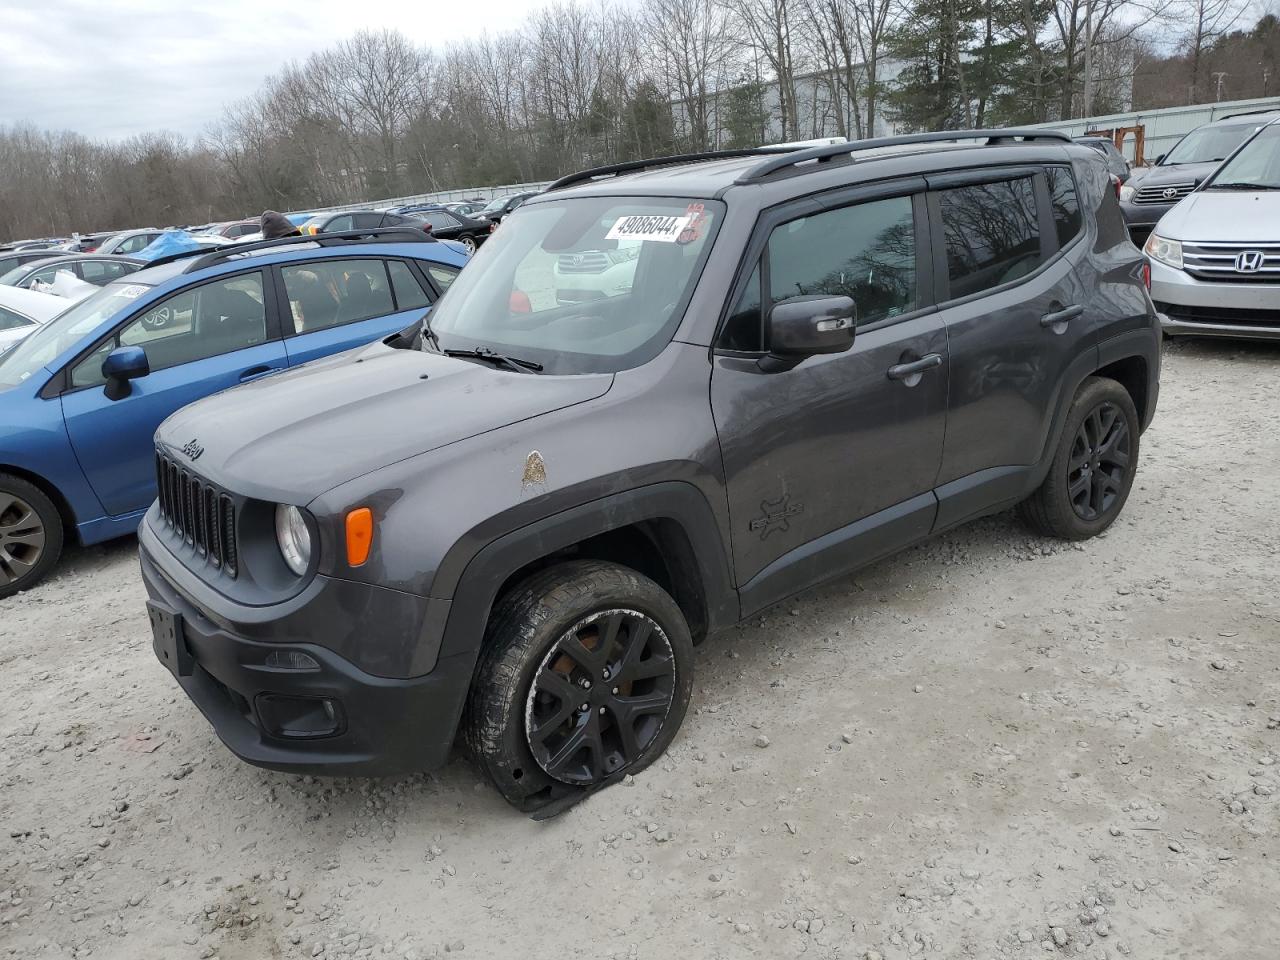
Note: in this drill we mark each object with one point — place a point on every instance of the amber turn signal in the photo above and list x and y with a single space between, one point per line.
359 535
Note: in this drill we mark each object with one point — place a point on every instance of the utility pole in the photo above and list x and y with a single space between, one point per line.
1219 75
1088 58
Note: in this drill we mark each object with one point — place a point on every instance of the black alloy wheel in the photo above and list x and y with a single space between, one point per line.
1100 456
1093 467
600 697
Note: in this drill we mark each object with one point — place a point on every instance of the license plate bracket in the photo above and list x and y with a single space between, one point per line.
168 641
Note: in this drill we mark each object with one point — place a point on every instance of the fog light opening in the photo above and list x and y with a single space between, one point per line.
299 718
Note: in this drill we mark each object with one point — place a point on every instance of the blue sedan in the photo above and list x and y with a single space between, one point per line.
81 398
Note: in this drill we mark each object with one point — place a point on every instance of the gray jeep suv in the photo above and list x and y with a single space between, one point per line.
517 519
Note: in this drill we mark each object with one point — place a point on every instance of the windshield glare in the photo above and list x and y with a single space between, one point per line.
587 285
64 332
1208 144
1257 163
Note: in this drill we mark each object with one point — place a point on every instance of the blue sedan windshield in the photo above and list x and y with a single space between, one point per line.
64 332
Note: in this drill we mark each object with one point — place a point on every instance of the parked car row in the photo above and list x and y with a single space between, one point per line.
81 397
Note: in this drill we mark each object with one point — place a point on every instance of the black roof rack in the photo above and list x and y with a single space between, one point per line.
612 170
207 256
1246 113
766 167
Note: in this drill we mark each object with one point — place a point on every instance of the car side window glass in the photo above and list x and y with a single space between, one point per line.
367 221
102 272
442 275
333 292
337 224
408 291
1067 219
866 251
47 275
218 317
12 321
742 328
992 234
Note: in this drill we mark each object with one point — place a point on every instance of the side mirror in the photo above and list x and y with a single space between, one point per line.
122 365
1160 159
801 327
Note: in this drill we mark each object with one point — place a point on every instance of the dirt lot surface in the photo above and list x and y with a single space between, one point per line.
990 746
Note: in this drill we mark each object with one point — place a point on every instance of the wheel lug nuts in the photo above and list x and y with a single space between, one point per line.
606 675
602 711
615 691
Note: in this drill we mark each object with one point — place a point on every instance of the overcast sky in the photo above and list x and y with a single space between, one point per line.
113 68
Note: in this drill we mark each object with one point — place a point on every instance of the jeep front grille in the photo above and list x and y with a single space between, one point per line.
198 513
1176 192
1217 262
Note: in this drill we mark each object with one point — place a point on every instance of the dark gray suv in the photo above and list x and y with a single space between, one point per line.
516 520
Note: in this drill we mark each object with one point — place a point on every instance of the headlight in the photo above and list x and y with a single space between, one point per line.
1127 192
1166 251
293 537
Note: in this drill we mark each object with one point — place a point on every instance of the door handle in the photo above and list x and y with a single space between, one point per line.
256 373
905 371
1061 316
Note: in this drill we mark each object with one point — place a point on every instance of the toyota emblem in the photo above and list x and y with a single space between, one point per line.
1249 261
1170 193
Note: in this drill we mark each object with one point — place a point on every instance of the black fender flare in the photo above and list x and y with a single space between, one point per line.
484 573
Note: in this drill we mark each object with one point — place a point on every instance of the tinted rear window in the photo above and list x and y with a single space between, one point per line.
992 234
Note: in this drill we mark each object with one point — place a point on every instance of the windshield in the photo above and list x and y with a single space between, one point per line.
1208 144
64 332
496 203
588 285
1256 166
10 278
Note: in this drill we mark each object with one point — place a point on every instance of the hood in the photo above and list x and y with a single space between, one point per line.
292 436
1167 176
1233 216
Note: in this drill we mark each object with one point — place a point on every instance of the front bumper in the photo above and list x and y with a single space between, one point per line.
1191 307
385 726
1141 218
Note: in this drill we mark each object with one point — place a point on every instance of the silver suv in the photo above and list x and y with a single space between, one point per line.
1215 267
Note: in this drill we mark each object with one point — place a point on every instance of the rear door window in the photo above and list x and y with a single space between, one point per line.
992 234
329 293
103 271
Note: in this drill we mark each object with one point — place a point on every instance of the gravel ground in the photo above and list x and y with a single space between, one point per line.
989 746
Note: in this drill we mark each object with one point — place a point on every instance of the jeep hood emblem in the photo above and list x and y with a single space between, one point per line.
192 449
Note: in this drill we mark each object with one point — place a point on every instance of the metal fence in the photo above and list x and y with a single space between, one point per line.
442 196
1163 127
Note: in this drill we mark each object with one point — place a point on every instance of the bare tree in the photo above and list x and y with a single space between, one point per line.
691 47
775 29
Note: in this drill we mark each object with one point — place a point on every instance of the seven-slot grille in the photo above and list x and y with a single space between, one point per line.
1218 262
200 514
1157 194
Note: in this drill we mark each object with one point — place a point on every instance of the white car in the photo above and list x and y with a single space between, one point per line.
585 275
1215 257
22 311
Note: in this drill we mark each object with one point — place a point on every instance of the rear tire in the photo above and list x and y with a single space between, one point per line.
30 535
1093 467
585 676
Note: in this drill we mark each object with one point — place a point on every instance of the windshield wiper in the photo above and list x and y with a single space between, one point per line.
1240 185
498 359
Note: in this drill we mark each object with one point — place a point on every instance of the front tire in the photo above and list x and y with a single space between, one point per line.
30 535
1093 467
585 677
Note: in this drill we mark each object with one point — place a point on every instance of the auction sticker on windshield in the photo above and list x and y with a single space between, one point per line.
657 228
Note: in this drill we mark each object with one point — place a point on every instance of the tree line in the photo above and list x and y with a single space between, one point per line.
578 84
